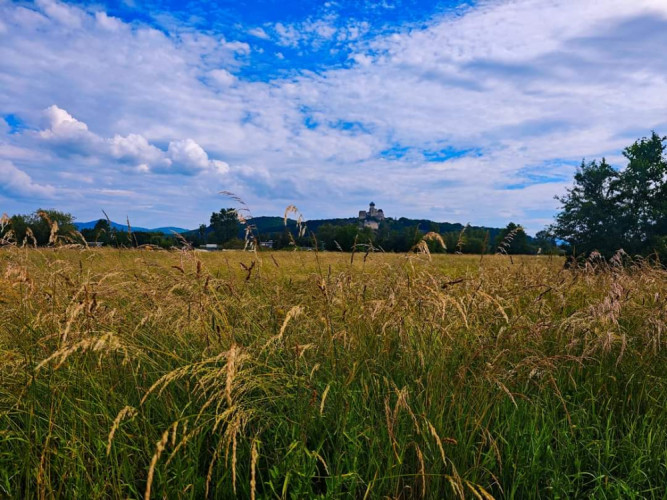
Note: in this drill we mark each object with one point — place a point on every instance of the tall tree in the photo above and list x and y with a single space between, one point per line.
102 231
202 233
607 210
225 225
642 190
589 219
513 240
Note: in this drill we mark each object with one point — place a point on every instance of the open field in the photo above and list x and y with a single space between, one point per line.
183 375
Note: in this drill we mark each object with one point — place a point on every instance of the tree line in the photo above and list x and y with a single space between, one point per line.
393 235
606 210
53 227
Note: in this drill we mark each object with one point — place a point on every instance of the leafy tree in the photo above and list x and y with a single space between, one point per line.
42 221
225 225
546 242
202 233
39 224
607 210
513 239
642 194
334 237
102 231
590 210
19 225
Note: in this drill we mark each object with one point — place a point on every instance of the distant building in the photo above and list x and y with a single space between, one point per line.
266 244
371 218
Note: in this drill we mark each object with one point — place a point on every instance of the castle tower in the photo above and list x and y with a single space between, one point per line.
371 218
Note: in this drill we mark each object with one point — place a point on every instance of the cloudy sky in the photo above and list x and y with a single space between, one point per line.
462 112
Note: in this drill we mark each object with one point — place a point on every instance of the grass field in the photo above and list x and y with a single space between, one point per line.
136 374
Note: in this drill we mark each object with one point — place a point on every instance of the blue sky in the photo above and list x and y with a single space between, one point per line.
472 111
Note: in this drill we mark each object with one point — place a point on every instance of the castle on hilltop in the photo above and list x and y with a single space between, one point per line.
371 218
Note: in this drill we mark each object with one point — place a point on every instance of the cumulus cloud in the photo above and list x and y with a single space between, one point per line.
184 156
107 22
16 183
187 156
135 149
62 125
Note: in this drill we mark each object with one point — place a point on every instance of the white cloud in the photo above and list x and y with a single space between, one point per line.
187 156
108 22
72 137
136 149
259 33
16 183
222 77
61 13
62 124
240 48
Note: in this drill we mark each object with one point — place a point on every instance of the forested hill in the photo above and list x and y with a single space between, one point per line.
268 225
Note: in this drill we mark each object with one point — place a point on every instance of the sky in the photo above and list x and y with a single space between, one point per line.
453 111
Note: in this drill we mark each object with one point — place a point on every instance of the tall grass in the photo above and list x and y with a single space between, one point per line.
133 373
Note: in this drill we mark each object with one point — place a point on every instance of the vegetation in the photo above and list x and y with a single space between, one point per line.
53 227
105 234
401 235
608 210
40 228
225 226
143 373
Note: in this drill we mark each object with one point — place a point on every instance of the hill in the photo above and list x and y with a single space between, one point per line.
123 227
268 225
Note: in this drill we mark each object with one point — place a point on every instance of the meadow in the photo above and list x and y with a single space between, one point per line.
180 374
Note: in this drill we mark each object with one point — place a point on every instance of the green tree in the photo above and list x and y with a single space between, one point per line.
224 225
546 242
642 189
590 215
19 225
40 223
607 210
102 231
513 240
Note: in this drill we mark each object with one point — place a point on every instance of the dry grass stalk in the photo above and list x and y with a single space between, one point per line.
159 448
461 239
438 441
324 398
126 413
254 457
433 236
106 343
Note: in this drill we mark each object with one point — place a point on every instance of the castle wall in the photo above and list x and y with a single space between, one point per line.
371 218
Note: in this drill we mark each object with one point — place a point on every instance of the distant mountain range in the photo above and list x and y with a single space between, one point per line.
123 227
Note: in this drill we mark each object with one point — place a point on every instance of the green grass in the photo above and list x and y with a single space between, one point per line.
391 376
